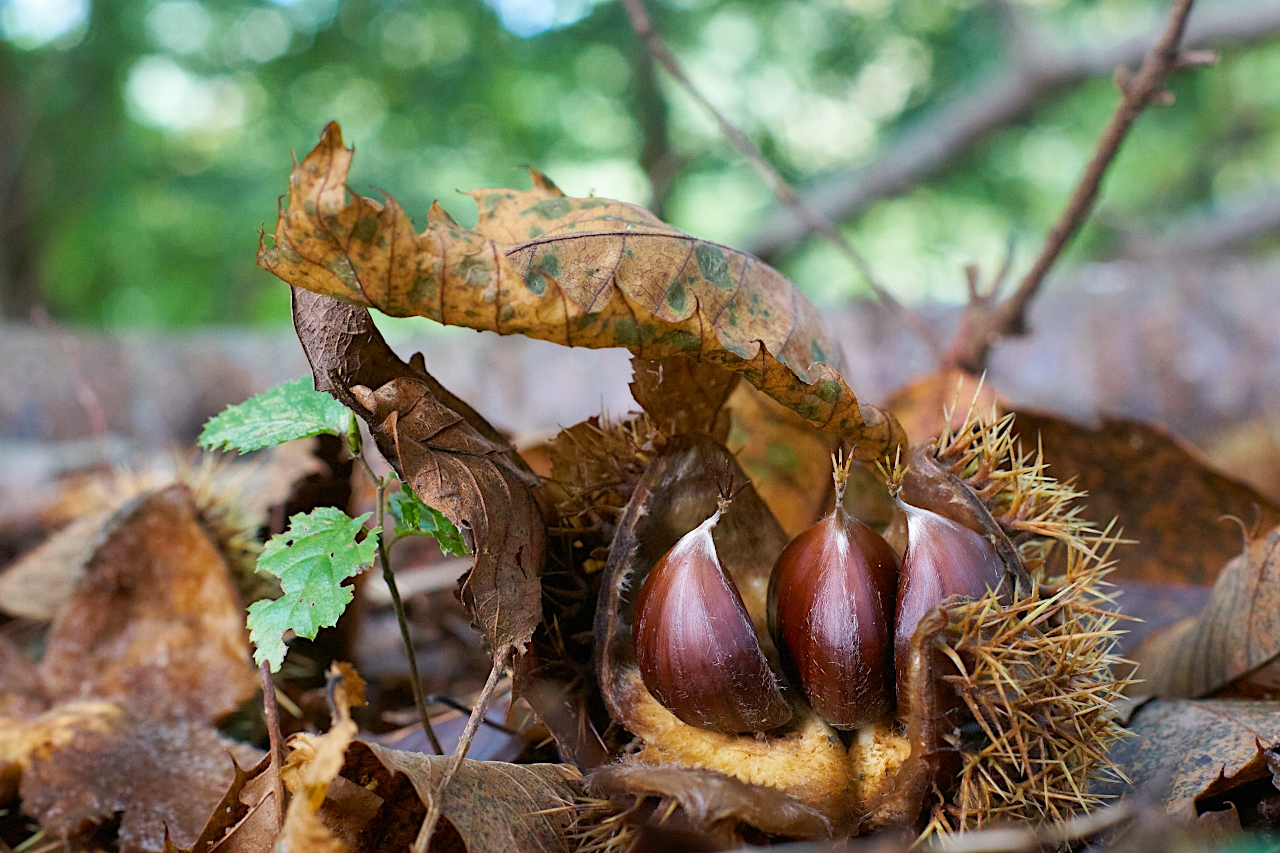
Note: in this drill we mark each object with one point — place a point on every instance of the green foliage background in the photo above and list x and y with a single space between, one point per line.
141 214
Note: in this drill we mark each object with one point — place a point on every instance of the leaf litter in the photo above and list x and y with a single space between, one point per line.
698 317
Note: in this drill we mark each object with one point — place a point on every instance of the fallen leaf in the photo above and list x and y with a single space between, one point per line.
20 691
155 622
579 272
446 453
350 794
709 798
1181 748
314 762
230 811
1236 635
38 583
164 779
1166 496
453 468
681 395
489 805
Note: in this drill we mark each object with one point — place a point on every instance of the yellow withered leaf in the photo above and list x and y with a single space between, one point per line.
576 271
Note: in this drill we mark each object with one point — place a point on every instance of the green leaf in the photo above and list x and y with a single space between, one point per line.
312 559
286 412
414 518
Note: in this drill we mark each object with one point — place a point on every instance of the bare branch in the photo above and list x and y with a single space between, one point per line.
1037 71
813 221
988 318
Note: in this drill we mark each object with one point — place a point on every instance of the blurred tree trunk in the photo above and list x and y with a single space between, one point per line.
19 284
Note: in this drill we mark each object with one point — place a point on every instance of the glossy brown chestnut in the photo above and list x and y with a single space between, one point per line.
698 654
831 601
943 558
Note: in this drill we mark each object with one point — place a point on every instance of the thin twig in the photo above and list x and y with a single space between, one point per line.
786 193
988 317
271 712
428 829
1037 71
384 558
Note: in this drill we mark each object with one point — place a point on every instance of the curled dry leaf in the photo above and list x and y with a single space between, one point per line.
1231 646
1185 753
155 623
314 762
579 272
804 759
163 779
708 798
451 458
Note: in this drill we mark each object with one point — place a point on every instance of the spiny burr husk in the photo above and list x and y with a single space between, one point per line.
805 759
1034 671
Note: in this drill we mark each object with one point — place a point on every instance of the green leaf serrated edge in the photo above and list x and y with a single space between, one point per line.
287 412
312 559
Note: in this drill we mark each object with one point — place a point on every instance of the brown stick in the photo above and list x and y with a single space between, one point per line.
786 193
271 712
428 829
987 318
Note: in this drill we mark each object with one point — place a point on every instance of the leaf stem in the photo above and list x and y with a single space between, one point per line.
271 712
423 841
384 559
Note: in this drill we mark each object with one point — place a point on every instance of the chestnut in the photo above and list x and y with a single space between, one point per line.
696 648
831 599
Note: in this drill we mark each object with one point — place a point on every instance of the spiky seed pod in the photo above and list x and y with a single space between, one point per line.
831 600
697 651
943 558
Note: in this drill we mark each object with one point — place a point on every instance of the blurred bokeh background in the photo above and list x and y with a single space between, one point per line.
144 143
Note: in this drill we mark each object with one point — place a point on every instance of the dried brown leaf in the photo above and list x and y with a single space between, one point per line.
1166 496
468 478
350 794
1237 633
708 798
41 581
447 453
1183 749
579 272
164 779
20 691
155 622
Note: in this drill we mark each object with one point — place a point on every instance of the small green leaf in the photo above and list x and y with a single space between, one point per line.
312 559
288 411
414 518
